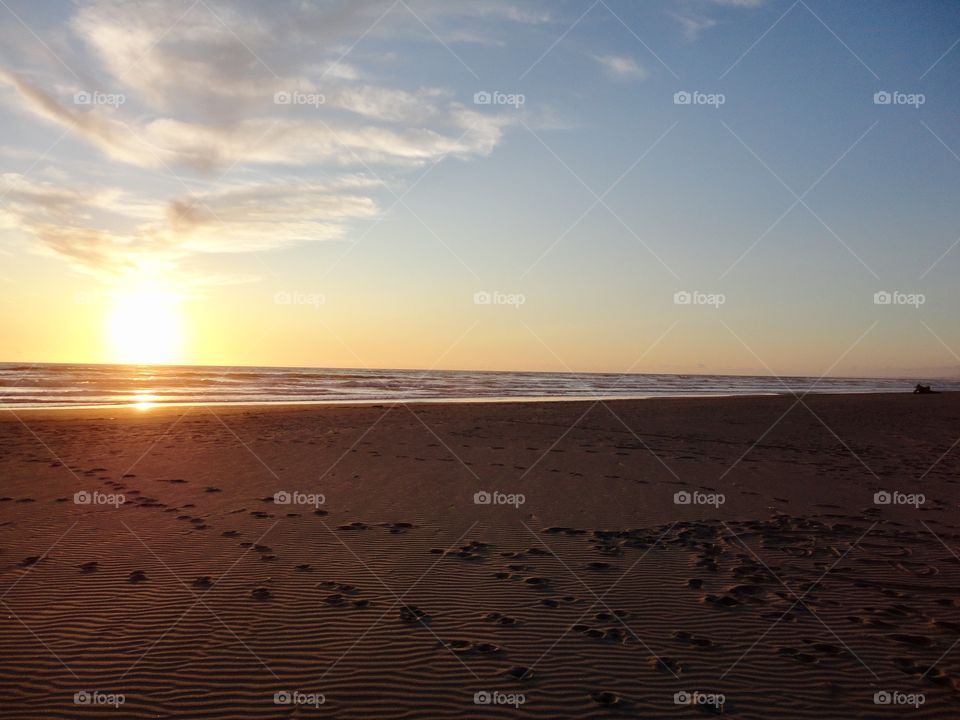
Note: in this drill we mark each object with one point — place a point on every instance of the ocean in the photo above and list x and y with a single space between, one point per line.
47 385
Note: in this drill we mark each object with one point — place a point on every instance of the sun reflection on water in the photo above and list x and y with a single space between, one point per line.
144 400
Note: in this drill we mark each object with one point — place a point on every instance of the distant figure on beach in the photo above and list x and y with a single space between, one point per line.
922 390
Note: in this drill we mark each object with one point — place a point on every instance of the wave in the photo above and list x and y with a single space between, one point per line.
72 385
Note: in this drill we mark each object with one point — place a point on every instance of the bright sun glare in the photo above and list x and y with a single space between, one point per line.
145 327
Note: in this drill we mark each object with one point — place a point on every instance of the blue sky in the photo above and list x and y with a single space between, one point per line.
397 198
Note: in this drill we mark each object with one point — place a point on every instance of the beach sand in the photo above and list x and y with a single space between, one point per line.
599 593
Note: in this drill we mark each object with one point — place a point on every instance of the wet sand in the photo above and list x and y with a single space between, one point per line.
574 559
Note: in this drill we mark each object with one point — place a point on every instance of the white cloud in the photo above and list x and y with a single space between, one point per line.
107 232
693 25
621 67
199 82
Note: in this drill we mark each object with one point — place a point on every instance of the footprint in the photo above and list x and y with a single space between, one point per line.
413 614
460 647
605 698
600 566
826 648
520 672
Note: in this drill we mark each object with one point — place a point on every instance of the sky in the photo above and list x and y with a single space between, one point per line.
669 186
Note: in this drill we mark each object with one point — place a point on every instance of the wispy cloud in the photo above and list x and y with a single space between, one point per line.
621 67
693 26
107 232
241 89
288 135
693 19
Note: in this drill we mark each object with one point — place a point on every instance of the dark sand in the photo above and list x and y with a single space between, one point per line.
598 597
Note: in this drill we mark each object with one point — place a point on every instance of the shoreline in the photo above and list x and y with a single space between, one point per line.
153 408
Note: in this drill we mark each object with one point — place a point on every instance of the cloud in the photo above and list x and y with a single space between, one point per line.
73 225
200 84
693 25
621 67
291 135
262 217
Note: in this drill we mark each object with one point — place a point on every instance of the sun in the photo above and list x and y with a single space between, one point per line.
145 327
